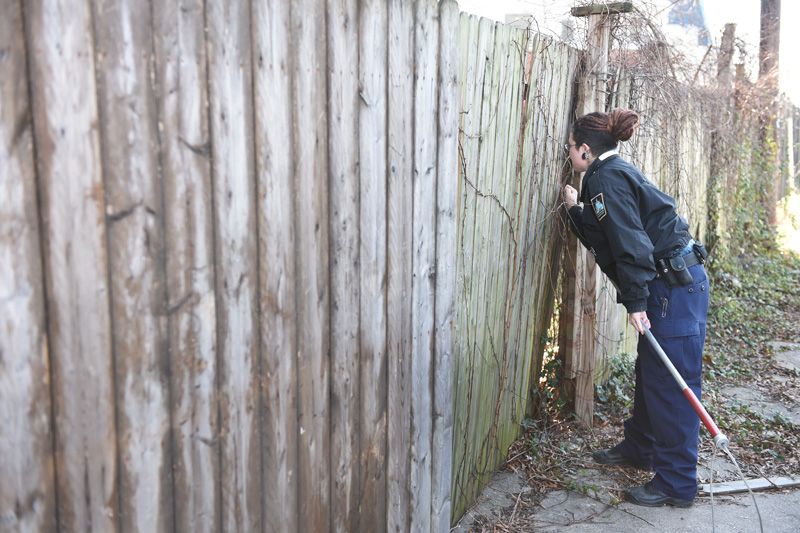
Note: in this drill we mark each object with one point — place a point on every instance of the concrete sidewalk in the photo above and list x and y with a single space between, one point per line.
577 512
573 512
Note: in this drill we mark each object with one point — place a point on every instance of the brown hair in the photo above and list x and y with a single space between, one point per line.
603 131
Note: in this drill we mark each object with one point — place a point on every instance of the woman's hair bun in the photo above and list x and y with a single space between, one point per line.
622 123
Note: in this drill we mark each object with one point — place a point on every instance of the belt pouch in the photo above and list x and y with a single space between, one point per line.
666 272
679 270
700 251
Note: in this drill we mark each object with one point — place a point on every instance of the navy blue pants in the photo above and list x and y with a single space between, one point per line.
664 429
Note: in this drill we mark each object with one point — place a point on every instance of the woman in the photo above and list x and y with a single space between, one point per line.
645 248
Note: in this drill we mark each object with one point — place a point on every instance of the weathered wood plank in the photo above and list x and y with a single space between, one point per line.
527 231
446 185
611 8
519 336
182 93
373 27
27 492
273 124
59 40
491 250
134 215
477 79
486 211
399 260
343 102
426 40
586 313
234 194
468 40
507 285
311 246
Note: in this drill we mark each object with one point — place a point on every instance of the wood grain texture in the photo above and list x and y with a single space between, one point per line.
59 40
468 326
467 29
426 40
484 208
373 21
345 263
27 492
234 194
182 93
278 291
261 283
311 221
489 217
510 172
135 215
399 261
447 181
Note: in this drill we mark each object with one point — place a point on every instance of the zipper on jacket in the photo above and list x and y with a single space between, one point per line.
664 306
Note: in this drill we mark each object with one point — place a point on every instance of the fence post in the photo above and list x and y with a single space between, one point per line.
578 311
768 56
719 148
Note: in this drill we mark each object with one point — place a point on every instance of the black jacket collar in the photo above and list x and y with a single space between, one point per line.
596 164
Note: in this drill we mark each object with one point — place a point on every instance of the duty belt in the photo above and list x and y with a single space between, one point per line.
675 270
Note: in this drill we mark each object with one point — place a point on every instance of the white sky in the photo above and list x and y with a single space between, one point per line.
744 13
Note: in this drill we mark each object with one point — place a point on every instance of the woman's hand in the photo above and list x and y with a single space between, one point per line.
639 321
570 196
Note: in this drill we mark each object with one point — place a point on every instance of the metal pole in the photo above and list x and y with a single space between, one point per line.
720 440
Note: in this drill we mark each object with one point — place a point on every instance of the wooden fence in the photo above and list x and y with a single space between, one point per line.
283 266
516 96
515 116
227 238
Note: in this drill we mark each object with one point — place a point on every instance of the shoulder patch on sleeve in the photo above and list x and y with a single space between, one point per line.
599 207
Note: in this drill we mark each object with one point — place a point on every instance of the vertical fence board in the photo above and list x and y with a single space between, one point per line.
180 75
447 182
507 423
426 39
373 20
474 126
490 215
343 97
312 277
479 32
399 260
496 311
485 210
27 492
134 215
231 123
273 124
73 212
528 232
467 41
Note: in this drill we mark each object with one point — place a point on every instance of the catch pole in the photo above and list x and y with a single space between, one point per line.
720 440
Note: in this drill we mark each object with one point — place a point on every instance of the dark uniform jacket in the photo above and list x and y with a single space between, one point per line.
626 222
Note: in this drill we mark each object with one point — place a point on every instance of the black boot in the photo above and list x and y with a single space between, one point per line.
613 457
649 496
